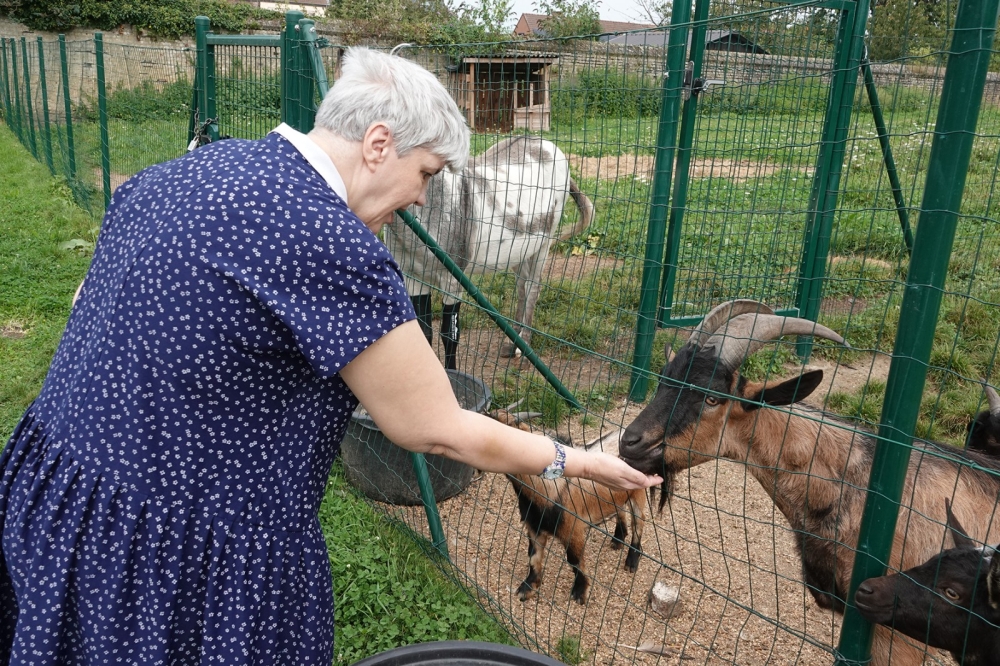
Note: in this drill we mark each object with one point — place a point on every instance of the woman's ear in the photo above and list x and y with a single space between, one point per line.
376 144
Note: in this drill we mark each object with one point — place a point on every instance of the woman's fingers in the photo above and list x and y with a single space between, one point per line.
615 472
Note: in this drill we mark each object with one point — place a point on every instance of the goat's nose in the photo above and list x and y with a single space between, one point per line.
865 590
630 442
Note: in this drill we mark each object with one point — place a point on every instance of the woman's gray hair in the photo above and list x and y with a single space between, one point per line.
419 111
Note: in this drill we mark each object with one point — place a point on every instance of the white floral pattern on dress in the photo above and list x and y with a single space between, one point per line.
158 501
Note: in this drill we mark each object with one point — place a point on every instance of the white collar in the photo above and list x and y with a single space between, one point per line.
316 157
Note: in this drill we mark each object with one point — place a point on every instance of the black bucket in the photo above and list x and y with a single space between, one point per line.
458 653
384 472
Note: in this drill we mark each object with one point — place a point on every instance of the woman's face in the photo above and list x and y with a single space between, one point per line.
402 182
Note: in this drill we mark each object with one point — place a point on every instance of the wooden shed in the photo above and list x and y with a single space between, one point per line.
504 92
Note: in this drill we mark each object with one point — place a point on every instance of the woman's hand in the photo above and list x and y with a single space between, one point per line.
608 470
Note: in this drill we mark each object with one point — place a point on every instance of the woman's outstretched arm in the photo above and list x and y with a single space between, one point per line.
406 391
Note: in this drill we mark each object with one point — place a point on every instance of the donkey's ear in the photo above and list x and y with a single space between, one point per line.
993 578
788 391
958 532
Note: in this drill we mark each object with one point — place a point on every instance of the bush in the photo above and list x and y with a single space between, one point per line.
144 102
606 93
158 18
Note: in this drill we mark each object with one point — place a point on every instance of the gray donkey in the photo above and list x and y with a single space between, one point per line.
501 213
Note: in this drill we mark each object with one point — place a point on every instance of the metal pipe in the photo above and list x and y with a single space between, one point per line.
484 303
438 539
887 158
954 132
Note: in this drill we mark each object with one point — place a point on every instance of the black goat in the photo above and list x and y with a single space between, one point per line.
952 601
984 429
815 466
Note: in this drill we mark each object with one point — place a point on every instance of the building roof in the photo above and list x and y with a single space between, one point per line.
528 25
660 37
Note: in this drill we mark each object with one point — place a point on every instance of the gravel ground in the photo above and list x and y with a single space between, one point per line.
720 540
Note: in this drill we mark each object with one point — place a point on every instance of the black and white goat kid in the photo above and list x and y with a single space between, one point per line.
566 508
814 465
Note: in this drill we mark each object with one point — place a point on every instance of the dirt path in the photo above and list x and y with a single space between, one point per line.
610 167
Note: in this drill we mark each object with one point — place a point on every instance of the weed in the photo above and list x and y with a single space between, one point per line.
570 652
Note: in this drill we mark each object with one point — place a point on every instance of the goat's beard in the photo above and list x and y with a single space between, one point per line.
669 473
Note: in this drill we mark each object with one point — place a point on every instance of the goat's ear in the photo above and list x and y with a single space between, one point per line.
787 392
993 578
958 532
668 353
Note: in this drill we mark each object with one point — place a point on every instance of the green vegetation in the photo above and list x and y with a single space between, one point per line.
37 277
388 592
168 19
569 651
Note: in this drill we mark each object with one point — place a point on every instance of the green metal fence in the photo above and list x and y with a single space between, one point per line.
752 154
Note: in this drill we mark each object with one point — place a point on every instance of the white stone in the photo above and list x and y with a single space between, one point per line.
664 599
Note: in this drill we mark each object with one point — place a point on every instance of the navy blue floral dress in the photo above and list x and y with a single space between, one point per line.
158 501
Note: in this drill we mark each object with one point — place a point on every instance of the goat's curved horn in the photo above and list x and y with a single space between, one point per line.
993 399
722 313
745 334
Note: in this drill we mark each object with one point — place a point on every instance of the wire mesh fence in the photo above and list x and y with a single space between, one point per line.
733 155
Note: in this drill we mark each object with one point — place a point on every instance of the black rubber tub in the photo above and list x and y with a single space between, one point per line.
384 472
458 653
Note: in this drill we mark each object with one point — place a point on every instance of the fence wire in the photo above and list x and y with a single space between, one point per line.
747 190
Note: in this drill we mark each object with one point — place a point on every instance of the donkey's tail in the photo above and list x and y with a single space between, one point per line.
586 207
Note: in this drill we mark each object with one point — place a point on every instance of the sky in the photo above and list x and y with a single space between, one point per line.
611 10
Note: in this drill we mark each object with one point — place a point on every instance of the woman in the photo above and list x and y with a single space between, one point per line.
158 501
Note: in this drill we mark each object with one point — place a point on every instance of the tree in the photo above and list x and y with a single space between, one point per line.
655 11
569 18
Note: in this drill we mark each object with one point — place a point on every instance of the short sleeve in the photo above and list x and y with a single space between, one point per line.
313 265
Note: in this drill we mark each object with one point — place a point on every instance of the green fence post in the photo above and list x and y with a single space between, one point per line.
666 145
5 81
47 136
8 108
826 183
102 107
306 92
17 93
16 78
961 97
205 77
685 145
70 149
887 158
289 70
28 105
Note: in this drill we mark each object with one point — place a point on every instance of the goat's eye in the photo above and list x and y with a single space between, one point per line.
712 401
951 594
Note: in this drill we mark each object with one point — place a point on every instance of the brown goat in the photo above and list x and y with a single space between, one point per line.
814 466
565 508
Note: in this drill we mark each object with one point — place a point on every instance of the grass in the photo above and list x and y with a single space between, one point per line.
388 592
